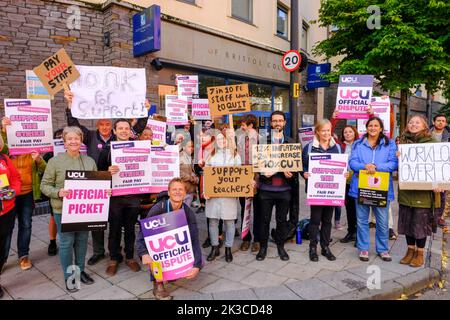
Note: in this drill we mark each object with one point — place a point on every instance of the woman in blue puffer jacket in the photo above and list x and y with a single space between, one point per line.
373 152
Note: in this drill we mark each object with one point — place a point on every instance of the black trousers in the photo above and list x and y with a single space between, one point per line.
320 215
266 201
122 213
98 242
350 207
6 228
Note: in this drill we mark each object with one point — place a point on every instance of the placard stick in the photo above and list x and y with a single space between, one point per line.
233 143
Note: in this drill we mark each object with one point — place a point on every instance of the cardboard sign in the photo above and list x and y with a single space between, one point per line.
187 86
31 126
228 182
176 110
424 166
326 183
109 92
134 161
159 130
200 109
381 109
165 165
373 188
277 157
305 135
86 208
35 88
354 96
228 99
59 147
169 244
56 71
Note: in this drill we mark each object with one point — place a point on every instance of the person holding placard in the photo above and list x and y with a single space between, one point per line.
373 152
10 187
321 216
96 141
30 167
416 217
222 208
177 193
52 186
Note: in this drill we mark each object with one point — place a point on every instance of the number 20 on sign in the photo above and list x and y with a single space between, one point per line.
291 60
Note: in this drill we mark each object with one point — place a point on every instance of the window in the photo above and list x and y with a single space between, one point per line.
304 43
282 22
242 10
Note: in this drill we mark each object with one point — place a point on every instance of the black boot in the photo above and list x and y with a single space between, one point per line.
1 292
282 253
349 237
313 254
207 243
262 253
215 251
326 252
228 255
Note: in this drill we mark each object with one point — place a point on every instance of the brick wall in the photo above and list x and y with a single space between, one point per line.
32 30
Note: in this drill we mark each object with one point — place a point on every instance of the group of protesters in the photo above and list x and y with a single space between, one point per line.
33 176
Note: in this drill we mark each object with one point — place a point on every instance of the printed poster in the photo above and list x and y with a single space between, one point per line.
354 96
381 109
373 188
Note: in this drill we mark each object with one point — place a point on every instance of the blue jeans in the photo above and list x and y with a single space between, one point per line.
214 232
382 227
24 210
68 243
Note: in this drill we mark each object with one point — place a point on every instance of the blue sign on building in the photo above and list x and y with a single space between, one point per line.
315 71
147 31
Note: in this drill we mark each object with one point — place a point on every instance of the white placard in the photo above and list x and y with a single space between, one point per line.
159 129
187 86
176 110
165 167
382 109
200 109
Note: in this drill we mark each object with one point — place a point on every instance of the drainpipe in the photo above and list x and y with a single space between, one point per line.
295 76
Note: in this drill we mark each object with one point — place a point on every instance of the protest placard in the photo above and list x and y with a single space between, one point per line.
277 157
187 86
246 222
424 166
381 107
56 71
200 109
165 164
228 182
354 96
59 147
176 110
109 92
31 126
169 244
228 99
305 135
86 207
373 188
134 161
326 182
159 130
35 88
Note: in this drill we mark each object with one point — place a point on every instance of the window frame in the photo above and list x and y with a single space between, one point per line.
280 7
242 19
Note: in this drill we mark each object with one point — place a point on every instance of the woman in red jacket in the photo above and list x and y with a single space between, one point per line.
8 192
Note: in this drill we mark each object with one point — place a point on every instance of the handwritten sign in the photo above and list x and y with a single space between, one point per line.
353 96
158 128
31 126
86 207
228 99
176 110
187 86
326 183
169 244
35 88
382 109
165 164
228 182
305 135
277 157
424 166
109 92
373 188
200 109
134 161
56 71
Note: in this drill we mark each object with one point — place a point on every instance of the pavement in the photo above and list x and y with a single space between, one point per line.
244 278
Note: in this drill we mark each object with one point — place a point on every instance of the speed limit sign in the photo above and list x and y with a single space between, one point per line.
291 60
